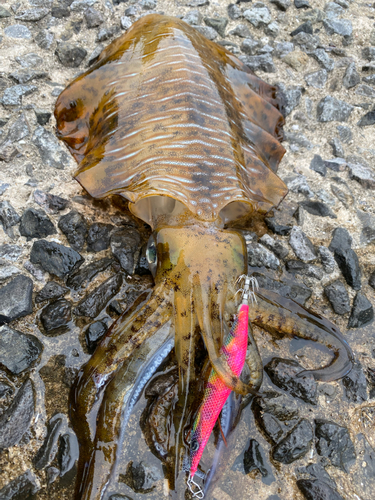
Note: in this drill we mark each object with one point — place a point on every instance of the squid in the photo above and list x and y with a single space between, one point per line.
185 132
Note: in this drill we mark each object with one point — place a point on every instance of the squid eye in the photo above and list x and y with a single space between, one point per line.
151 255
194 445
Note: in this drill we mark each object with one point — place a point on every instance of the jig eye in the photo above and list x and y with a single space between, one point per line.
194 445
151 255
73 104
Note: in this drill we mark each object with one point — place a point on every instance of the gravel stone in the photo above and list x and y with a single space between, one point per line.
193 17
18 31
296 60
368 53
338 297
125 22
284 374
355 384
98 237
51 290
8 216
346 258
16 419
44 39
94 333
367 119
30 60
4 13
8 152
10 252
351 77
341 27
259 15
301 245
283 48
365 90
81 5
96 300
16 299
281 406
324 60
274 245
371 280
33 14
234 12
317 208
292 97
362 313
20 488
75 228
301 268
42 116
36 224
107 33
253 459
368 227
84 275
241 30
51 203
271 427
318 165
217 23
294 445
19 130
55 258
360 172
258 256
93 18
8 271
272 29
334 443
249 46
50 149
141 477
318 79
289 288
124 244
317 490
18 351
338 151
206 31
305 28
259 63
56 316
299 184
60 12
331 109
282 5
70 55
302 4
13 95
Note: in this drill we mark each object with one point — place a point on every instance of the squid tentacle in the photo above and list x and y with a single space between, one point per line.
279 315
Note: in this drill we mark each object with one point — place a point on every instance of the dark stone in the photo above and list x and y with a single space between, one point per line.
124 244
60 11
271 427
249 46
319 472
36 224
50 150
142 267
259 256
351 77
96 300
51 203
337 150
276 227
44 39
338 297
94 56
56 316
52 473
355 384
253 459
345 133
295 444
42 116
331 109
24 487
367 119
305 28
324 60
48 450
68 452
10 252
302 4
301 245
19 129
317 208
13 95
107 33
241 30
93 17
5 389
360 171
98 237
281 406
140 477
284 374
291 96
316 490
75 228
94 333
16 299
114 308
33 14
8 216
70 55
299 267
345 257
368 53
51 290
282 4
317 79
16 419
334 443
83 276
4 13
217 23
55 258
18 351
362 313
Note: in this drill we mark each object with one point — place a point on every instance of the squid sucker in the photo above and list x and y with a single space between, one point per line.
184 131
